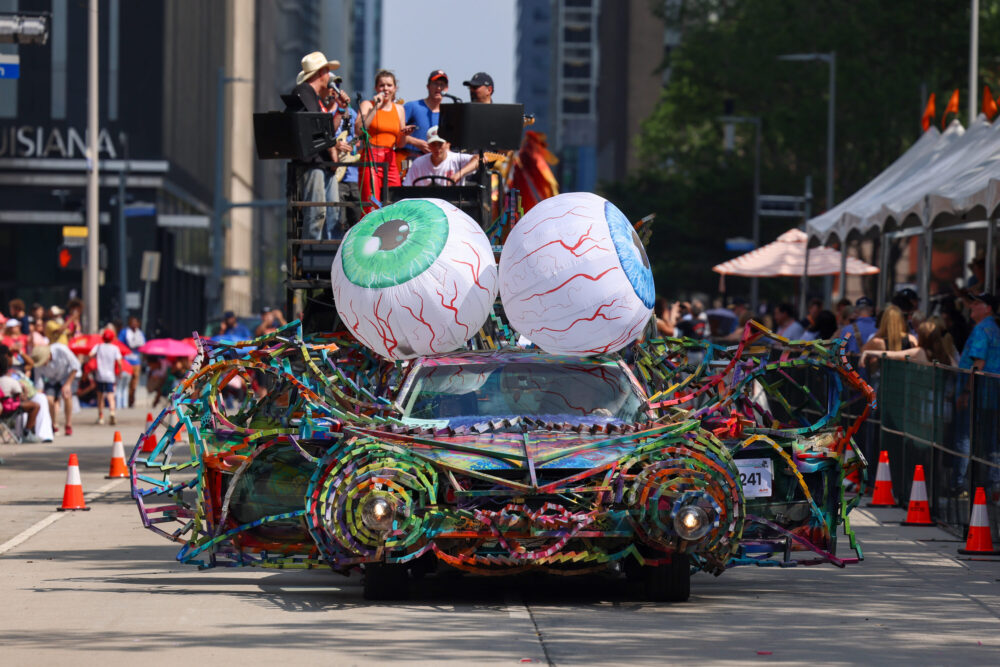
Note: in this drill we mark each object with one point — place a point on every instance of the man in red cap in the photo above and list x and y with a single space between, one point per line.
109 359
425 113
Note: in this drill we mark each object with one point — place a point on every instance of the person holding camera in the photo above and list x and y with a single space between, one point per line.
343 218
385 122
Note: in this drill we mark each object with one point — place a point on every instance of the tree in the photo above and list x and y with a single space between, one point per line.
889 56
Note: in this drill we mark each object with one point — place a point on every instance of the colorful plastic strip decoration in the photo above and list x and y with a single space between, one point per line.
316 467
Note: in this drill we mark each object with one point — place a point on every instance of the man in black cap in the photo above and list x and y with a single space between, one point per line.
907 300
480 88
862 327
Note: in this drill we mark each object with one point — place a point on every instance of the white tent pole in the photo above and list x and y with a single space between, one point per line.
927 251
843 268
805 280
925 261
990 276
973 61
883 274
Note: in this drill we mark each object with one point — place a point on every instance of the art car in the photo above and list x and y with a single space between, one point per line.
442 428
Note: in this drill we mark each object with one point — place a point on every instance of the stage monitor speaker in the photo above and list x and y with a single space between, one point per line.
300 135
467 198
487 127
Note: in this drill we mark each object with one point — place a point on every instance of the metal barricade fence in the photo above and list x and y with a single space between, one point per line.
946 419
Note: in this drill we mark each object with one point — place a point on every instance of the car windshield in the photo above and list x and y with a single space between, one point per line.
472 393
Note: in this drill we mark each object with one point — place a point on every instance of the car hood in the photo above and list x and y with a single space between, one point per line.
538 450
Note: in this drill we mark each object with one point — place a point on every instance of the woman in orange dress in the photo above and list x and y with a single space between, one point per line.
385 123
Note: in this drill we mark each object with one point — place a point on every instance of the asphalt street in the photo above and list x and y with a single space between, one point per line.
95 588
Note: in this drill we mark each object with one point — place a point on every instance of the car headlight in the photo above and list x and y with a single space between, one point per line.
377 513
691 523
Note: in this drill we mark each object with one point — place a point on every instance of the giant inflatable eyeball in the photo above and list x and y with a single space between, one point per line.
414 278
574 277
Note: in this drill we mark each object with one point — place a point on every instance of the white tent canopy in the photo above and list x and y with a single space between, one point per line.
947 175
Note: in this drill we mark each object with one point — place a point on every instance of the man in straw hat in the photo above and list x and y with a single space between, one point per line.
316 182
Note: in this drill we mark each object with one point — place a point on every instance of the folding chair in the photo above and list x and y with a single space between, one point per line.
10 428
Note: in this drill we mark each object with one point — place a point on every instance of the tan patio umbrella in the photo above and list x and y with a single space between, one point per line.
786 257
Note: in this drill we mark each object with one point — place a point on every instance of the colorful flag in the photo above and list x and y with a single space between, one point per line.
951 108
928 116
989 104
532 174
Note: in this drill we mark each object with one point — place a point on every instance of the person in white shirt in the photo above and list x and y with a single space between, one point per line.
441 163
57 367
109 359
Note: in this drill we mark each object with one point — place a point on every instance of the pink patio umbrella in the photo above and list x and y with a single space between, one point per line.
786 257
168 347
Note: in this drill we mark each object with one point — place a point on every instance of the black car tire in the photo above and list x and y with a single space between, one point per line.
670 582
386 581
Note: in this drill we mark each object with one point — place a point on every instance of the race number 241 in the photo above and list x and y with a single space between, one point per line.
755 477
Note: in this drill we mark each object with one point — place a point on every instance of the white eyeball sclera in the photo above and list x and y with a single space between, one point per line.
414 278
574 277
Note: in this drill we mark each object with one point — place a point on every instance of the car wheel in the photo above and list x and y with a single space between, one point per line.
670 582
386 581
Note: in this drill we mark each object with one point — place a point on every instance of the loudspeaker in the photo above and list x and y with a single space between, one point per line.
292 136
317 258
487 127
467 198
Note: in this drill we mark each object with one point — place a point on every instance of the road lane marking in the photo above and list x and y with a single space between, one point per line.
41 525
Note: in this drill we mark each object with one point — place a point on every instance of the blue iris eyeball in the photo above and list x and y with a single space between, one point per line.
631 254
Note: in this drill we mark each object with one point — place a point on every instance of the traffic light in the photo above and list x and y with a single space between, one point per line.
70 257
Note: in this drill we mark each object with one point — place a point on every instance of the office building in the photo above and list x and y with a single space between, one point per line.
598 69
635 45
159 90
533 69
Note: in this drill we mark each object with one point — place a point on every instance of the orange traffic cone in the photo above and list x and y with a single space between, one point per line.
883 483
149 443
73 494
117 468
148 440
979 542
919 511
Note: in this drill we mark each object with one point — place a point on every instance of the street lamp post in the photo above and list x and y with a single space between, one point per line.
755 121
91 293
831 59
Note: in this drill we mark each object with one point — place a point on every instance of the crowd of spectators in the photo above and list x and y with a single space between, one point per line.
961 330
50 368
